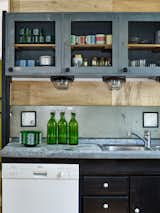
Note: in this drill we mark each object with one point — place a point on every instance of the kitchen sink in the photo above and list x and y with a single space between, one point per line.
106 147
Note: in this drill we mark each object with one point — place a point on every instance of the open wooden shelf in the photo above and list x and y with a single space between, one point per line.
91 46
30 46
144 46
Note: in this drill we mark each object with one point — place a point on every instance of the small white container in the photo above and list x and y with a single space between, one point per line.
45 60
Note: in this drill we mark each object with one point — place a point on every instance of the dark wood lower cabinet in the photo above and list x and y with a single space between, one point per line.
105 205
145 194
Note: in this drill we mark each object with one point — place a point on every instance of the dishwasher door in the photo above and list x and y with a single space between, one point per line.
40 188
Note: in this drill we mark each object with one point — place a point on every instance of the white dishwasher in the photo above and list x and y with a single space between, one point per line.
40 188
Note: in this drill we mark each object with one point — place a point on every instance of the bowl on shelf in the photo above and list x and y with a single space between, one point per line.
134 40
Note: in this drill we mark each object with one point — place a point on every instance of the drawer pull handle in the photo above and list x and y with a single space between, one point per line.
105 185
105 206
137 210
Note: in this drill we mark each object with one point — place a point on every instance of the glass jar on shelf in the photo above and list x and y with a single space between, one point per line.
85 62
41 36
77 60
22 36
101 62
28 36
94 61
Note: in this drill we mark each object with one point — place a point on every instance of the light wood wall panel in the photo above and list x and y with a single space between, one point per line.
140 93
83 5
60 5
136 5
145 93
44 93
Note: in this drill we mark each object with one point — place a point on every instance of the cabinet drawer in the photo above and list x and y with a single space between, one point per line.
105 185
105 205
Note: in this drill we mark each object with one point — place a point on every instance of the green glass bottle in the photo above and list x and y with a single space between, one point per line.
52 130
73 130
62 129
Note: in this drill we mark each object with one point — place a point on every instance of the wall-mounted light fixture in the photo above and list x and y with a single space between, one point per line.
114 82
62 82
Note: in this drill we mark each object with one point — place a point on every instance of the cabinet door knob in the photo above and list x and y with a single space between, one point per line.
105 206
10 69
67 69
125 69
137 210
105 185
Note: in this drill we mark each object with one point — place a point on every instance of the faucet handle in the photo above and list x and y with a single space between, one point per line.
147 132
129 133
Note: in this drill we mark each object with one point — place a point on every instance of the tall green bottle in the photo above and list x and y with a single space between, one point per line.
62 129
73 130
52 130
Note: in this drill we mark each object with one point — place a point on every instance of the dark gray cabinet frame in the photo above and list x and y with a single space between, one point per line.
11 19
124 18
91 71
63 50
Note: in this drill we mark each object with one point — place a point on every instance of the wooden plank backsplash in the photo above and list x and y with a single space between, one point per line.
85 6
44 93
133 93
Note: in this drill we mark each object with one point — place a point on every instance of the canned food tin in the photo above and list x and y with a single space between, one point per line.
30 138
108 39
90 39
77 39
82 39
72 39
100 38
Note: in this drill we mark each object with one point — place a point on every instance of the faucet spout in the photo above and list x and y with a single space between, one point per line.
146 140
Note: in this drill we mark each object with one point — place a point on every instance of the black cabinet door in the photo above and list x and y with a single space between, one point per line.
145 194
105 204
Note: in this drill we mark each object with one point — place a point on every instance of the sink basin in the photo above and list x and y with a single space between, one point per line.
106 147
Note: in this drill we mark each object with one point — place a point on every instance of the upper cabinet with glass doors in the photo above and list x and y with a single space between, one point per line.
140 44
32 44
90 44
82 44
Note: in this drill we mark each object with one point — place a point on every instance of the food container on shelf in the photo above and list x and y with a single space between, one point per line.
109 39
45 60
77 60
30 137
134 39
100 39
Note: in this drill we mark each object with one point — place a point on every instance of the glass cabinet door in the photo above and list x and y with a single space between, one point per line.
142 45
33 44
91 44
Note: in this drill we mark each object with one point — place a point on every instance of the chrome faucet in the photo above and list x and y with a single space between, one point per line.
147 136
146 139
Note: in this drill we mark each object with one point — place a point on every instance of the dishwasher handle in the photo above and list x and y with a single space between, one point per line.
40 173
